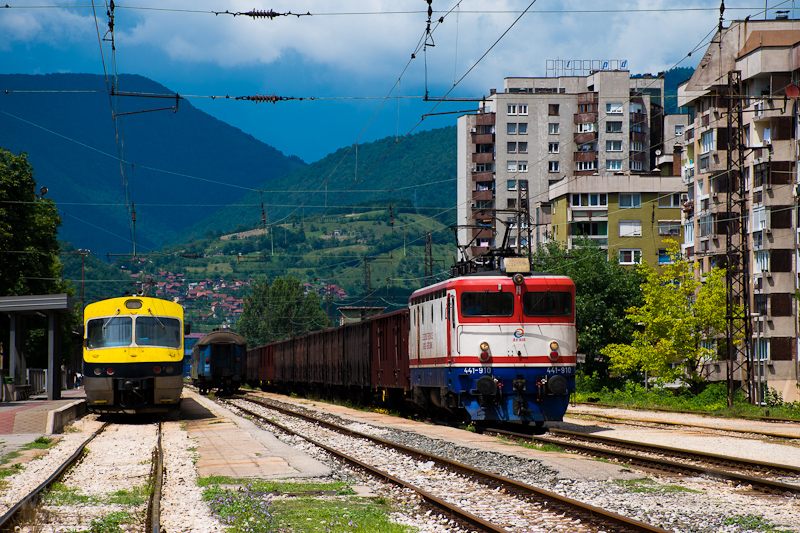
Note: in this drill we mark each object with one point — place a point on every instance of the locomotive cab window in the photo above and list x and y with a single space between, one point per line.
109 332
158 331
487 303
547 303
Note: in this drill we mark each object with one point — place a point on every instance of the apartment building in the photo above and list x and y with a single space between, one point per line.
569 151
757 62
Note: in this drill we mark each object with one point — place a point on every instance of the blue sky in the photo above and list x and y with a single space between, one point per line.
350 54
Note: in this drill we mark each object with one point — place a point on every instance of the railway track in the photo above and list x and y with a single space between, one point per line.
789 431
96 488
674 460
484 501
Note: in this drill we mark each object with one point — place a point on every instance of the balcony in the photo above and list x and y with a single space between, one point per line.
482 176
588 98
483 138
638 136
487 157
482 233
483 195
638 118
587 137
485 119
585 156
585 118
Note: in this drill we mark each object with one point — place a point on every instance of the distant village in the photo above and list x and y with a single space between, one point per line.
219 298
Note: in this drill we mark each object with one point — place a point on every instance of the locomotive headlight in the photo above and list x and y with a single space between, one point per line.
553 350
110 371
97 371
484 355
169 370
157 369
518 278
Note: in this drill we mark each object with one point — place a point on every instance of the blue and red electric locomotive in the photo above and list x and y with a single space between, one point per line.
489 346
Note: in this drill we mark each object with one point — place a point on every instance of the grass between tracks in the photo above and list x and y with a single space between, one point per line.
246 505
9 467
713 400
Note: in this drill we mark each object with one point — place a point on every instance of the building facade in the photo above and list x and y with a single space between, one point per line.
745 155
562 157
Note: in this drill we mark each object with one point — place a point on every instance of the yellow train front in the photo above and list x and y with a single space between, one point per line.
133 355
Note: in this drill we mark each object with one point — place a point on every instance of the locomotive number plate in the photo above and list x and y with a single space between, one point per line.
561 370
477 370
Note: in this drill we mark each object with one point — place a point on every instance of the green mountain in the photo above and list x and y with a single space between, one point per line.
419 170
177 163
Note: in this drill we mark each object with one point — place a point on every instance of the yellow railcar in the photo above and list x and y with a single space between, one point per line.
133 355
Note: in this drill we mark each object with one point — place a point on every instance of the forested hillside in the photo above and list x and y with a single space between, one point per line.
419 170
176 163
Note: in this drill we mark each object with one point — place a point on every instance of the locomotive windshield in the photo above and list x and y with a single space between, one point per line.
155 331
547 303
487 303
109 332
118 331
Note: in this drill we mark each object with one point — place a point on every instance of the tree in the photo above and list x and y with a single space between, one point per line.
279 311
679 313
29 248
603 288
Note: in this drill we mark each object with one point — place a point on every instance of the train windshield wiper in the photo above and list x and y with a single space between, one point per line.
106 323
157 320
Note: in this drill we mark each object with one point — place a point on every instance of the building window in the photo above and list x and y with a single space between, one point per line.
522 128
511 109
707 142
613 164
628 201
511 148
636 127
759 218
670 200
588 147
613 127
688 233
512 166
587 165
636 165
484 186
484 148
669 227
678 130
552 128
484 204
511 203
630 257
552 166
761 261
663 257
589 200
552 110
703 160
511 185
614 108
613 146
483 167
587 108
511 128
630 228
552 148
522 109
522 147
758 240
706 225
636 146
586 128
522 166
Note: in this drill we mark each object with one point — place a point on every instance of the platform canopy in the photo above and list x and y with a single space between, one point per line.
50 305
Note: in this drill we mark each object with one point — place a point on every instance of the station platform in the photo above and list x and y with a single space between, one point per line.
34 415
